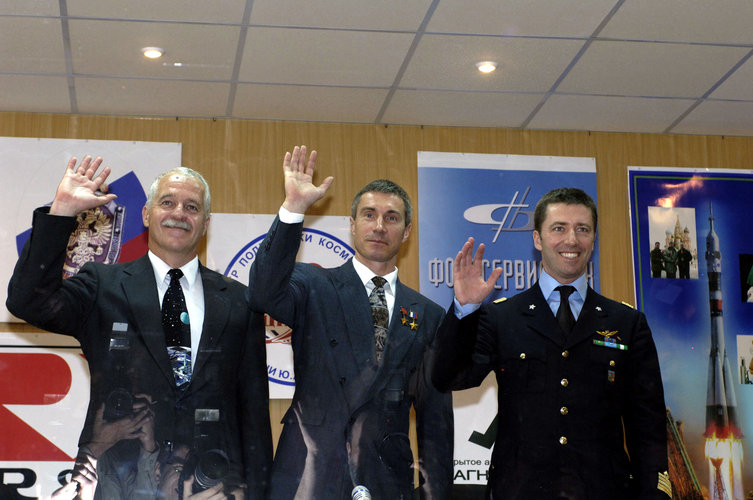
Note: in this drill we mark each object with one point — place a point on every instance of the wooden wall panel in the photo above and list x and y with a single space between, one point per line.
242 163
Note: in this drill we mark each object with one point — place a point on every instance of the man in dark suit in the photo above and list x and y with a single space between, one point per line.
684 258
657 261
581 403
348 423
213 393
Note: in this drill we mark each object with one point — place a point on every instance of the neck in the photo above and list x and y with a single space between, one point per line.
378 268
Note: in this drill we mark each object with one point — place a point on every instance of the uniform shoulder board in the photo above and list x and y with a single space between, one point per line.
501 299
664 484
629 305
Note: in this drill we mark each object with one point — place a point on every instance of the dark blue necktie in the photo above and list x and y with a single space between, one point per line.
564 314
177 328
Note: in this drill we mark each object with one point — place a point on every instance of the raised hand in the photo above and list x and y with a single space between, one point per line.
300 191
468 277
81 188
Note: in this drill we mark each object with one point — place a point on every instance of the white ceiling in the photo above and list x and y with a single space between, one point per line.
657 66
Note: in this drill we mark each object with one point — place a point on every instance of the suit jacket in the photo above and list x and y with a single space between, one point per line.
114 313
563 402
349 419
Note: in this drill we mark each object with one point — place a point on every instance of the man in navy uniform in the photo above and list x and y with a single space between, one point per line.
581 403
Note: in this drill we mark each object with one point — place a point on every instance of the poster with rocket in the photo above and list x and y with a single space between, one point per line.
693 270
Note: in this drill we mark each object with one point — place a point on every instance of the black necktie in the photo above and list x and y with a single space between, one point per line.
564 314
177 328
380 314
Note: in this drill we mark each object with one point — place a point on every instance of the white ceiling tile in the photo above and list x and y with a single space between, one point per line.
151 97
353 14
520 17
650 69
525 65
111 48
31 7
738 85
323 57
204 11
609 114
31 45
309 103
717 21
47 94
476 109
718 118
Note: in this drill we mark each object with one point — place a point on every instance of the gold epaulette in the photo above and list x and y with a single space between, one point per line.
664 484
629 305
501 299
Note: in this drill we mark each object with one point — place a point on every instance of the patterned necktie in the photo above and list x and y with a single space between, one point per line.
177 328
564 314
380 314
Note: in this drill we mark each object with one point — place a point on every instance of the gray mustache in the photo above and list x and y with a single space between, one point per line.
176 223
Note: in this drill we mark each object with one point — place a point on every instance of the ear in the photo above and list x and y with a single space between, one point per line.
537 240
145 216
352 226
406 231
206 225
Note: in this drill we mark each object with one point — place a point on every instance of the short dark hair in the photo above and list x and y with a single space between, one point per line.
388 187
568 196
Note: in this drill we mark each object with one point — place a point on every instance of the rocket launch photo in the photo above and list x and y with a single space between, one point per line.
701 325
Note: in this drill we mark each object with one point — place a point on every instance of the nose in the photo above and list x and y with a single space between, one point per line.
379 224
570 236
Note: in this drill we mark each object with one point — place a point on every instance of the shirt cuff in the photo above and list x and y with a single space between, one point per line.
462 311
289 217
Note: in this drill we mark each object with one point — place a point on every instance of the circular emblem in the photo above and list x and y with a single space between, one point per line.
318 248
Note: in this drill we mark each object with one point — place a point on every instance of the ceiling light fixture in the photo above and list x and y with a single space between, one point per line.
152 52
486 66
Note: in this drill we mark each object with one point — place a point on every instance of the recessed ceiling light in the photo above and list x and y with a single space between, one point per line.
152 52
486 66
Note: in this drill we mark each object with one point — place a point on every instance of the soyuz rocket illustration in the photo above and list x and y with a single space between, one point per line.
724 450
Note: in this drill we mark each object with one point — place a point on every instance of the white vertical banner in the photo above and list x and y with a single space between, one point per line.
44 378
232 243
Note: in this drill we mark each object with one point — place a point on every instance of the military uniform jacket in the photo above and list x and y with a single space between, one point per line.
114 313
349 418
563 402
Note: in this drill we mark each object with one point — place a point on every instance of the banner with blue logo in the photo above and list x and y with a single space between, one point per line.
492 198
693 268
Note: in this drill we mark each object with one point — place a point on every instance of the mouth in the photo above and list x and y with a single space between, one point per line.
570 255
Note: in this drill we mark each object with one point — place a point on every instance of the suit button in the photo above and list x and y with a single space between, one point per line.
565 354
342 380
522 355
611 363
563 440
564 382
333 342
564 410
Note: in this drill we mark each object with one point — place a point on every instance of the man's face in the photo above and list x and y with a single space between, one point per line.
656 246
566 241
379 228
177 219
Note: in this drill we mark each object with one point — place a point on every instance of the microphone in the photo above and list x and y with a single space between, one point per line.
361 493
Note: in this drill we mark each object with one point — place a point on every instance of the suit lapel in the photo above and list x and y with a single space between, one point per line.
592 309
355 306
402 336
216 312
143 300
533 306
